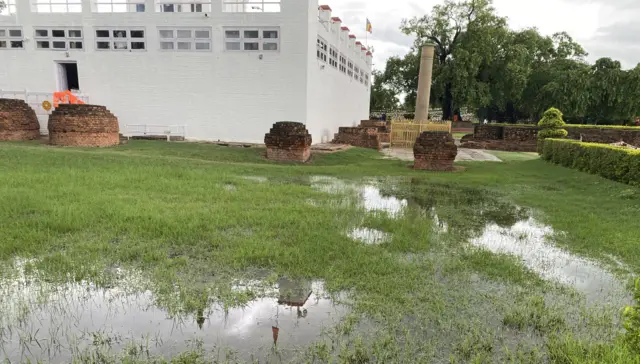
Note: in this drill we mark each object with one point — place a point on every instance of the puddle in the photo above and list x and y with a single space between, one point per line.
527 239
39 321
258 179
368 196
369 236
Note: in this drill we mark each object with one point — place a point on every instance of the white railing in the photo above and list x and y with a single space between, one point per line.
118 6
36 100
251 6
183 6
169 131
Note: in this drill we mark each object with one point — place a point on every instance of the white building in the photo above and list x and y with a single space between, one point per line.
225 69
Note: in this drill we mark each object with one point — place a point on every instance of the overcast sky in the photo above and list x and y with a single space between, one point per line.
605 28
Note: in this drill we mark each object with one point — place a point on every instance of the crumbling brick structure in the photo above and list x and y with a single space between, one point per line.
434 151
288 141
82 125
18 121
359 137
383 127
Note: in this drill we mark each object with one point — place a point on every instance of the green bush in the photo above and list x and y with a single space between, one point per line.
615 163
551 119
552 133
551 127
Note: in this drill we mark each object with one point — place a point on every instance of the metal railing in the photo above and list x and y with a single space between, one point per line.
405 133
168 131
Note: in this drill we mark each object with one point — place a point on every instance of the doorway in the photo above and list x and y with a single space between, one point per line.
67 76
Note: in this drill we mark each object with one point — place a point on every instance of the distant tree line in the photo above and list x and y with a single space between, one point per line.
505 75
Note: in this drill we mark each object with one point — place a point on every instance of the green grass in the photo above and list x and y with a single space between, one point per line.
186 216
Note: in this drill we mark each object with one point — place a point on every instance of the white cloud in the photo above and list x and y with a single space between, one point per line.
606 28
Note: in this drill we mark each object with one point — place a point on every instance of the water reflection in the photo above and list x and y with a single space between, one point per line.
527 239
41 321
369 236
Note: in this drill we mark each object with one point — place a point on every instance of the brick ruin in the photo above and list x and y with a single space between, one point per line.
370 134
288 141
18 121
497 137
523 138
83 126
434 151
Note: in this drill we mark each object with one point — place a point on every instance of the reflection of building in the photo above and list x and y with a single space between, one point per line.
225 69
293 293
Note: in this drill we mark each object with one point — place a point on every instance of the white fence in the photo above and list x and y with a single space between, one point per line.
35 100
169 131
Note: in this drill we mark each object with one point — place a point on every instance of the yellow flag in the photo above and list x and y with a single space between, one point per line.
369 27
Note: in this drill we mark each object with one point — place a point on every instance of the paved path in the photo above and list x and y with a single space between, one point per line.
463 155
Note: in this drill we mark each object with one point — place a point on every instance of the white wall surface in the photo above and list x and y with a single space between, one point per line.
333 98
219 95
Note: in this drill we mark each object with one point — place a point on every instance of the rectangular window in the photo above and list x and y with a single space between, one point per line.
333 57
56 6
361 76
251 6
356 72
58 38
252 39
366 79
183 6
185 39
321 49
118 6
9 8
350 68
343 63
121 39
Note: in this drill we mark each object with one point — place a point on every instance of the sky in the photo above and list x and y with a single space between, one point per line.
605 28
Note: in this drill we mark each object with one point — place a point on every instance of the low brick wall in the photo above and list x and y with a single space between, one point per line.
488 132
83 126
605 135
359 137
288 141
434 151
18 121
519 138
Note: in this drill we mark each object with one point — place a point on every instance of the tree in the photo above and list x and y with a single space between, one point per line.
382 97
466 35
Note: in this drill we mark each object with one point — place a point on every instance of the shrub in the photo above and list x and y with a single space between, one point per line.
615 163
552 133
551 124
631 317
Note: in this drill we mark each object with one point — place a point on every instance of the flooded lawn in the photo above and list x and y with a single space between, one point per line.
58 323
396 270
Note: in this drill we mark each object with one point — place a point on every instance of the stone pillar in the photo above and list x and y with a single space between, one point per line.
424 83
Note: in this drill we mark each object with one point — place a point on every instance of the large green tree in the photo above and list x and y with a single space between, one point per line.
466 35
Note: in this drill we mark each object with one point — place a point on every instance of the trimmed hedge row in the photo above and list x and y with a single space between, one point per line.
616 163
588 126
